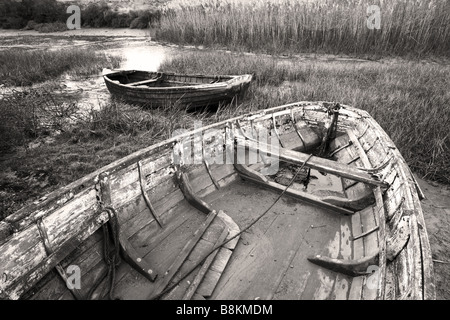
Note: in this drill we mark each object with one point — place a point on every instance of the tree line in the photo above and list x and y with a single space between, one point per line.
31 14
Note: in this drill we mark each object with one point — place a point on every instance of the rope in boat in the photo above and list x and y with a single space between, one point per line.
169 288
331 132
112 259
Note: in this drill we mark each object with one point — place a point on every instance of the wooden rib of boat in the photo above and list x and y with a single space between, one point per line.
159 89
323 207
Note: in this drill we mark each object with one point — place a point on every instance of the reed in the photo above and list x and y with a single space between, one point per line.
407 27
26 67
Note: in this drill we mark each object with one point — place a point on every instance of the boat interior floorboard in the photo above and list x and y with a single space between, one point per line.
270 260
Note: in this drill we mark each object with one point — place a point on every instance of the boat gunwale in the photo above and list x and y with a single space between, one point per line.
231 81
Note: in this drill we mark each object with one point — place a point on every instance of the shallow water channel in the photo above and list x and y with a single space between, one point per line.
136 54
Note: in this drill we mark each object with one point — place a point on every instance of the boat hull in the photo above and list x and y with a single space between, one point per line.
188 91
349 227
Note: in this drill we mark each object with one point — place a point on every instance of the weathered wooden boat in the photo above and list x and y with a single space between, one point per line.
160 89
310 200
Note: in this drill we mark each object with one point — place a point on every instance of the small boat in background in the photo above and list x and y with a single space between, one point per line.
155 89
310 200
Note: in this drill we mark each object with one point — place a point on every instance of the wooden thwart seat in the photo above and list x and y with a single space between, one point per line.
256 177
143 82
324 165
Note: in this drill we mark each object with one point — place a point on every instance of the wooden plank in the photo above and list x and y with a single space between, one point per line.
23 251
31 276
151 235
413 245
394 202
403 275
310 139
359 149
133 190
360 194
221 260
233 229
201 274
320 164
161 285
310 198
214 273
368 223
63 222
139 83
191 266
341 287
59 269
429 290
213 231
358 244
85 256
356 288
390 282
345 250
144 219
146 198
199 179
397 241
209 283
189 194
151 166
160 248
381 221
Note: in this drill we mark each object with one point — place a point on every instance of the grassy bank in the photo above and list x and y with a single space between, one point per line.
23 68
406 27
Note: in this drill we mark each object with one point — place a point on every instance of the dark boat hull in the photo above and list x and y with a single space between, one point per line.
171 89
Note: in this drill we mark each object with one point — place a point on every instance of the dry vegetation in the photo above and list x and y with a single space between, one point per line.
26 67
407 27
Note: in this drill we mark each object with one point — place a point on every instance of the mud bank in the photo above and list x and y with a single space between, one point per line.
436 208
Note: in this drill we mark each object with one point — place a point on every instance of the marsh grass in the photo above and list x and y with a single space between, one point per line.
27 67
407 27
30 114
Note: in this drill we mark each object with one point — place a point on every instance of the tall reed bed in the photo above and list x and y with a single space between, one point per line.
406 27
410 100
